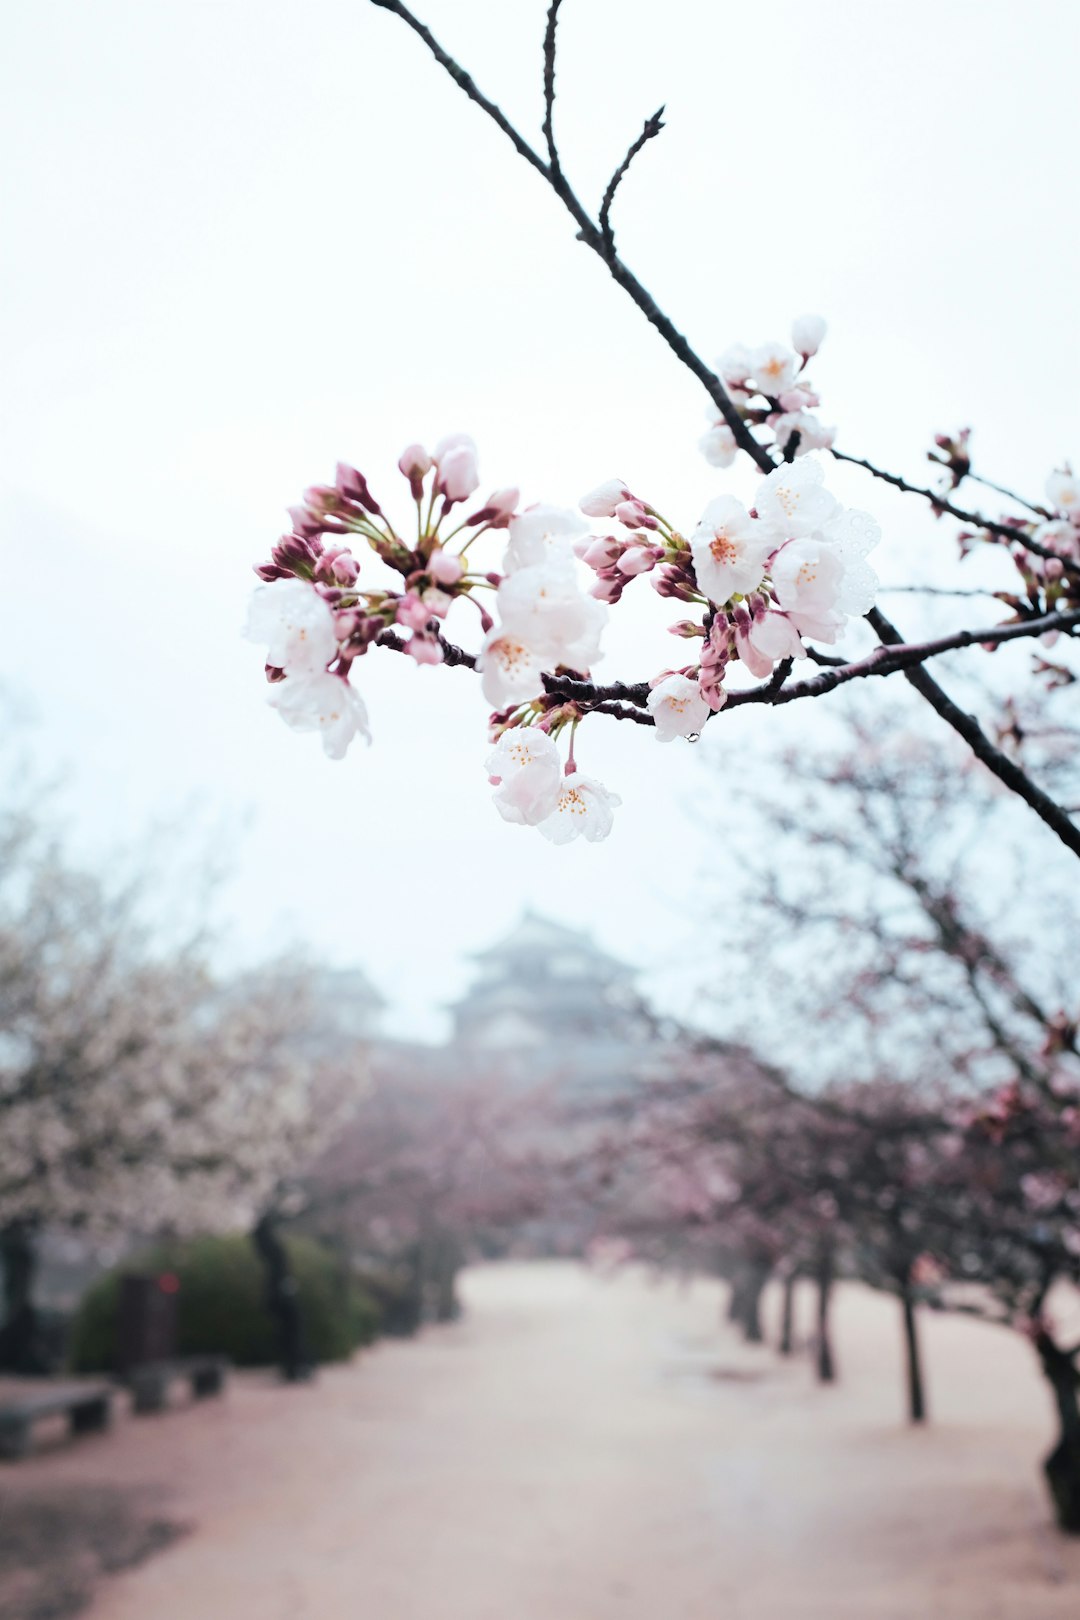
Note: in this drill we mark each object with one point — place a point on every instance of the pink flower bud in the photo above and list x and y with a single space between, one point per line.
601 553
602 501
638 559
498 509
415 463
425 649
631 513
353 486
455 458
338 566
445 567
304 523
411 612
608 588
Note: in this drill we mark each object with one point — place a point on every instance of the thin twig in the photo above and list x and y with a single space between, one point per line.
1006 531
589 232
650 130
549 87
1009 494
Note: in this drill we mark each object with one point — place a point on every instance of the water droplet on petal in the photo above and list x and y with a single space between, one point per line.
693 736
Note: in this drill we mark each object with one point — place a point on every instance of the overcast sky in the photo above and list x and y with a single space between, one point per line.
247 238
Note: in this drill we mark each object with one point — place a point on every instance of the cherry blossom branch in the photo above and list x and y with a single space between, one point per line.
892 656
1009 494
1005 531
966 726
589 230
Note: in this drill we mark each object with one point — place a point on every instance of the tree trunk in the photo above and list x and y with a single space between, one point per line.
736 1295
282 1301
752 1329
21 1346
826 1365
787 1314
913 1358
1062 1466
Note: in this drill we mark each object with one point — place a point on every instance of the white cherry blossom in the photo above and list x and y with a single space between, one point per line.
807 576
729 549
584 809
718 445
324 703
540 534
526 771
677 707
813 434
793 501
544 606
769 638
773 368
510 668
1063 492
735 364
295 623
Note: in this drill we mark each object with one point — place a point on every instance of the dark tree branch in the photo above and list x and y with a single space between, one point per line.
966 725
549 87
651 129
1005 531
590 233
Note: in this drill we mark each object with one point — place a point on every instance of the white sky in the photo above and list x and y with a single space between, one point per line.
245 239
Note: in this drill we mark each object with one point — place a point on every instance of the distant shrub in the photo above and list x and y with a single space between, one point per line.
221 1303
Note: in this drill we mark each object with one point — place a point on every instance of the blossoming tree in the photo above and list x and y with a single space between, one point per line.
138 1094
759 588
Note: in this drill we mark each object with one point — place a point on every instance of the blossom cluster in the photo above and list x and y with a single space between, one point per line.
769 388
763 580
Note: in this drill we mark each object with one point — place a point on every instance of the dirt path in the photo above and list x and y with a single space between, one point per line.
577 1449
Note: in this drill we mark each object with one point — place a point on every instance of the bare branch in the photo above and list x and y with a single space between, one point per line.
590 233
1005 531
651 129
549 86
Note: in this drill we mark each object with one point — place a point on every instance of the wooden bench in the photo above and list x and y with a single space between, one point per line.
149 1383
88 1407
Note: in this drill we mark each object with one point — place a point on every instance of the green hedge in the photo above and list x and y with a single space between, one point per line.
220 1304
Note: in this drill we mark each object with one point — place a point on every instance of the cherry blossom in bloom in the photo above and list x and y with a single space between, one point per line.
511 669
544 606
793 501
729 549
813 434
542 534
525 769
678 707
1063 493
773 368
821 579
718 445
765 641
324 703
584 809
295 623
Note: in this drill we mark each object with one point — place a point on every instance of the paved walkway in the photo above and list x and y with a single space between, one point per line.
582 1449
